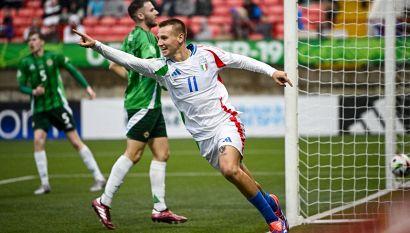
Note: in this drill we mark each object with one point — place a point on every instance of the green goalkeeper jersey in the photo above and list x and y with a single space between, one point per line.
45 70
141 92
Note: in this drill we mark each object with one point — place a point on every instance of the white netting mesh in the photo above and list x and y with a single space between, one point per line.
342 104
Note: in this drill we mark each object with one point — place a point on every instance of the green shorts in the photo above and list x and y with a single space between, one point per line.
60 118
144 124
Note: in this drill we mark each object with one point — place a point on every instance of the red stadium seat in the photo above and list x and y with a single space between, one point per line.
182 18
13 13
195 20
25 12
21 21
18 31
313 14
256 36
274 10
162 18
234 3
215 30
154 30
38 13
120 30
126 21
90 21
100 30
18 39
272 2
195 28
109 38
33 4
218 3
108 21
279 31
217 20
89 30
222 11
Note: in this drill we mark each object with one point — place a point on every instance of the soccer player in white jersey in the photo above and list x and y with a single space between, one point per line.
190 73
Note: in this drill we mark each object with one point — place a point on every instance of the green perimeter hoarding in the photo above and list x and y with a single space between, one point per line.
338 53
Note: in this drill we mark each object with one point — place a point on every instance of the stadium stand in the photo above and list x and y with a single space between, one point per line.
273 9
312 17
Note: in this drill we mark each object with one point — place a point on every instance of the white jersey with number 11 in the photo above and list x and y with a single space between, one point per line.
194 84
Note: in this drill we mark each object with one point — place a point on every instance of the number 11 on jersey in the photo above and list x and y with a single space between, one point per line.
192 84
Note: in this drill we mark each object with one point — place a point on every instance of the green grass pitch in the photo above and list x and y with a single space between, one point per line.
193 189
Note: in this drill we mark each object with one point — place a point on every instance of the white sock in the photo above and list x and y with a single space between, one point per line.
41 162
157 177
118 172
91 164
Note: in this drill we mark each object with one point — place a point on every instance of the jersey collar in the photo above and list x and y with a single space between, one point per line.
193 48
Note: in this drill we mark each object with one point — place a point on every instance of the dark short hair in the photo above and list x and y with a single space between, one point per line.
177 25
35 32
136 5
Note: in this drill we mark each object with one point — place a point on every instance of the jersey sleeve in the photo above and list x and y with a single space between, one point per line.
65 63
232 60
22 79
147 67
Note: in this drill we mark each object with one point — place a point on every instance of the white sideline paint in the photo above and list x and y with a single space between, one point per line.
169 174
17 179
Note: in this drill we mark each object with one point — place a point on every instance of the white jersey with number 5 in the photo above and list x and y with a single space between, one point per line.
194 84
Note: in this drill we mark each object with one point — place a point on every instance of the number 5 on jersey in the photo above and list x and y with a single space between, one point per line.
192 84
43 76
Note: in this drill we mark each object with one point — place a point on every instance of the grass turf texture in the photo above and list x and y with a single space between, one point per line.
194 189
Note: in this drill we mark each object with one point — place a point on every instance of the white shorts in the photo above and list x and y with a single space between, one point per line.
229 133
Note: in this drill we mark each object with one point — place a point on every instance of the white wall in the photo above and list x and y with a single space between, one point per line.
263 116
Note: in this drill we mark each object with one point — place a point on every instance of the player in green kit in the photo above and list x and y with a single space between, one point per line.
146 123
39 76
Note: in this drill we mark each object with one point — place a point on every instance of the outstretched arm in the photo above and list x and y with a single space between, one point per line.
146 67
65 62
238 61
247 63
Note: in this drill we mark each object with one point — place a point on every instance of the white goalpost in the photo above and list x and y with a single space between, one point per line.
349 111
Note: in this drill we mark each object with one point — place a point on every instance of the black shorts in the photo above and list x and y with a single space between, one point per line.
60 118
144 124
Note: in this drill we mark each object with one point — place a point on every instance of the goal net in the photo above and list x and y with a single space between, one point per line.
353 107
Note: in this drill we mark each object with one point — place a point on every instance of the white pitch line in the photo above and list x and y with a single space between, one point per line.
170 174
249 152
17 179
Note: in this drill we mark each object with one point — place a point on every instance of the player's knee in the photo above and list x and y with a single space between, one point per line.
78 145
39 144
162 157
229 172
134 156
